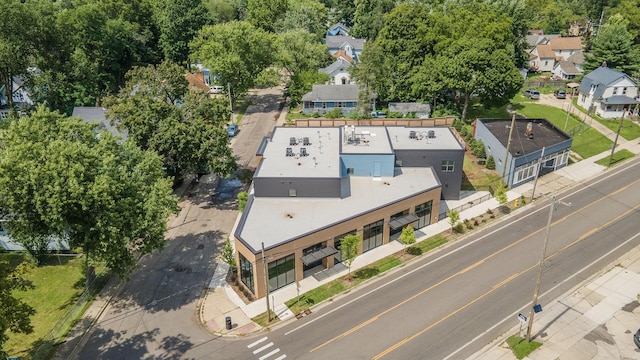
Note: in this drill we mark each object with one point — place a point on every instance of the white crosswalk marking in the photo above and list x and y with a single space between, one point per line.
263 348
269 354
281 357
257 342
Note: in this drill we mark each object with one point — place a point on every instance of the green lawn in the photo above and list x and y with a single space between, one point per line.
586 140
521 348
618 157
58 282
629 130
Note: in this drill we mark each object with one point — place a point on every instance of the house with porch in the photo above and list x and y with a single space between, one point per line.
608 93
315 185
324 98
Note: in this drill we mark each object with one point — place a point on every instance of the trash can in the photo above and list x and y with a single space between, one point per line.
227 321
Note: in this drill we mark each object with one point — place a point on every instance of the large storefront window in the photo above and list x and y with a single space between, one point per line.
337 244
282 272
372 235
423 212
246 273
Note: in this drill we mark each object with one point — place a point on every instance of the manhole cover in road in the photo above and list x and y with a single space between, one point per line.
200 247
180 268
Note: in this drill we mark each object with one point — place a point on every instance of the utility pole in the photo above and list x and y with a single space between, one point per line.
541 265
615 142
266 283
230 101
506 157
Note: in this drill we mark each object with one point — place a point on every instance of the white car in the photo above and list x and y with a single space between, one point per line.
216 89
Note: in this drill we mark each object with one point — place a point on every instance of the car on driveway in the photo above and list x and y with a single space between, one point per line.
232 130
560 94
531 94
636 338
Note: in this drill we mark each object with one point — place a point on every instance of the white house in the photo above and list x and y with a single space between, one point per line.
608 93
570 68
353 47
338 72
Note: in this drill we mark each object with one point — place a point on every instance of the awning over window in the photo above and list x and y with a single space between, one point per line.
318 255
401 222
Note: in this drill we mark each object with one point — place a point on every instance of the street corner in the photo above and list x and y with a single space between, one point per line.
222 317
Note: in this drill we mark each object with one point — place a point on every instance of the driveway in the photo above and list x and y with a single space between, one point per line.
155 314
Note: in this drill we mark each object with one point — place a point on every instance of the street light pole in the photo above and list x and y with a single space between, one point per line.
541 265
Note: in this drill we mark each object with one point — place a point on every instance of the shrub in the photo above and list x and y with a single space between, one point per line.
469 224
522 199
478 149
459 228
475 222
414 250
457 124
463 131
335 113
243 196
491 164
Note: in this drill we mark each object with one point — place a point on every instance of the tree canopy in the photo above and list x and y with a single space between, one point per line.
61 179
614 45
180 21
236 52
185 127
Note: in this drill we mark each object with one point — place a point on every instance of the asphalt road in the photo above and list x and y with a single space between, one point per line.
155 314
453 302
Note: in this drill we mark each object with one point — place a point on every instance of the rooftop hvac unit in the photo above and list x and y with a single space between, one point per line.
305 141
412 134
290 152
303 152
431 134
293 141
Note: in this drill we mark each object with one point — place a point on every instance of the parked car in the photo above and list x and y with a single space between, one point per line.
560 94
636 338
378 114
232 130
531 94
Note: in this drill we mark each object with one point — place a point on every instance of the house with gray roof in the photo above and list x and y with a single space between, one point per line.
96 115
338 72
608 93
315 185
350 45
323 98
569 68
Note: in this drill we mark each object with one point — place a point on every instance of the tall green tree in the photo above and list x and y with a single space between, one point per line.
236 51
59 177
309 15
630 10
368 17
18 34
613 45
263 14
186 128
14 313
179 23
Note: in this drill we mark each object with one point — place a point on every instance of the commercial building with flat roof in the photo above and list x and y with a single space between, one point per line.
314 186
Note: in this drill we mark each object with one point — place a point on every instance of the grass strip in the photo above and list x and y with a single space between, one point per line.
522 348
618 157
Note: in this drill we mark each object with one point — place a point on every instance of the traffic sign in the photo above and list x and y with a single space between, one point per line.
522 318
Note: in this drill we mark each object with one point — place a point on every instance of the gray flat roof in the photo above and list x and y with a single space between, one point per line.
322 161
364 140
275 221
443 140
544 134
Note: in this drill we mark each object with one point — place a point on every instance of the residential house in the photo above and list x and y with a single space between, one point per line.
418 110
323 98
543 58
607 93
96 115
570 68
564 47
342 55
338 72
350 45
315 185
197 81
338 29
20 96
536 147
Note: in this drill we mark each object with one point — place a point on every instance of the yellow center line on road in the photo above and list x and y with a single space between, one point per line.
376 317
504 282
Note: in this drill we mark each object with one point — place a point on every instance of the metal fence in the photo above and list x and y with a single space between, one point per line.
468 205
